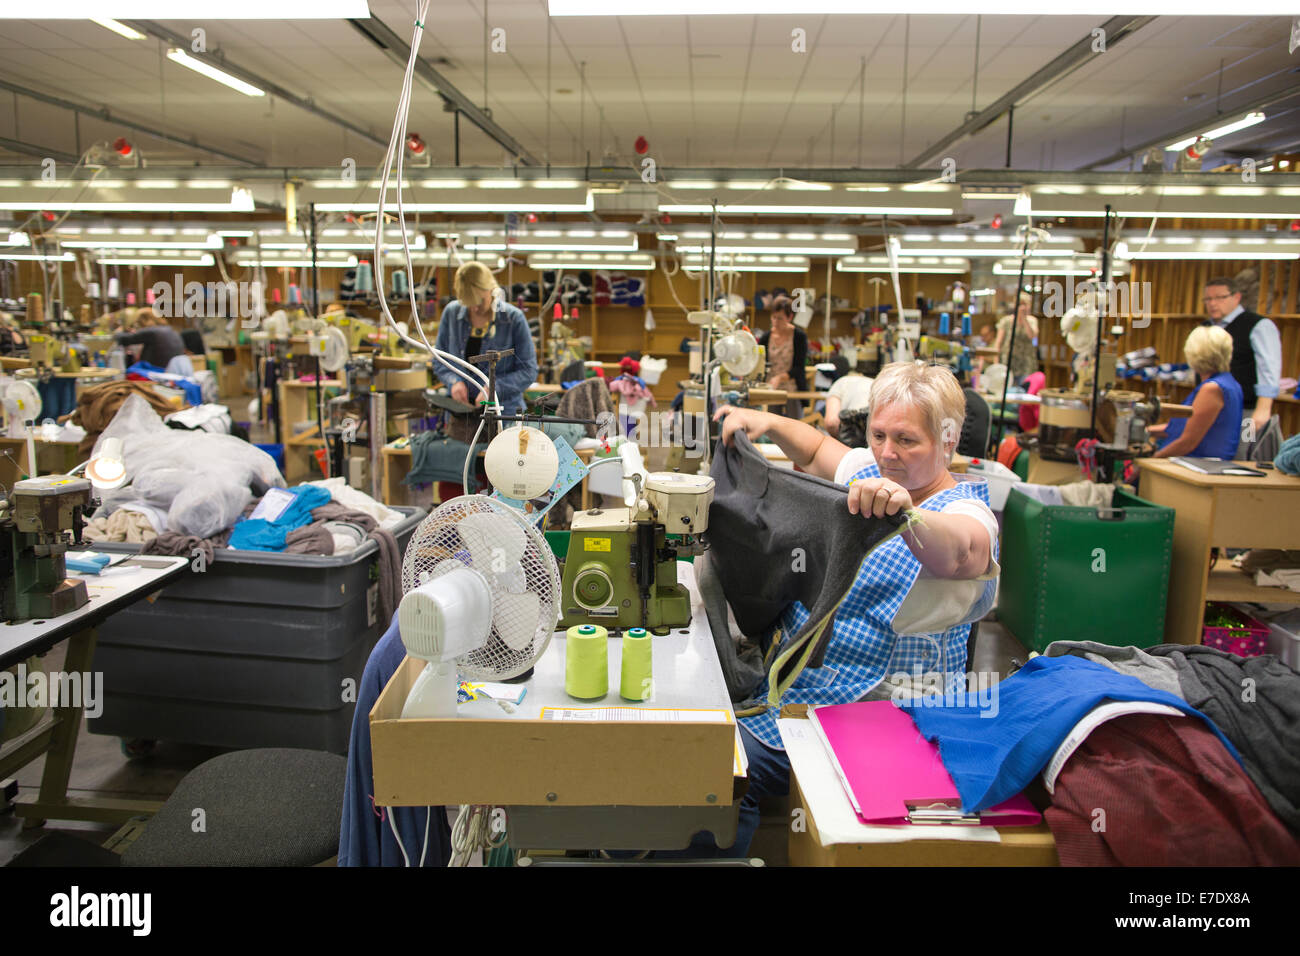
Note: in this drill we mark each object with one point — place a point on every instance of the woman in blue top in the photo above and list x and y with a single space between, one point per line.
1214 430
478 321
906 620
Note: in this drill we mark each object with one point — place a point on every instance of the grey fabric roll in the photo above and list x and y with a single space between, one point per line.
762 517
1157 672
1255 701
269 807
742 660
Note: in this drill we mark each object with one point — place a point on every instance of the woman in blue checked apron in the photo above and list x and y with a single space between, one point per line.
908 614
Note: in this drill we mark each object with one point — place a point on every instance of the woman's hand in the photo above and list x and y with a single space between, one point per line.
878 497
460 392
1158 429
748 420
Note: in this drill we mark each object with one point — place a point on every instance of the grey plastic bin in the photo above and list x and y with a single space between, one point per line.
253 651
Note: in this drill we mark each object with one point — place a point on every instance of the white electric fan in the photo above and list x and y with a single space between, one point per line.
737 351
1079 324
22 401
274 326
330 345
481 599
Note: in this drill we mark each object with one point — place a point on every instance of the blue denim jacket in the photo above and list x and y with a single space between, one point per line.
509 331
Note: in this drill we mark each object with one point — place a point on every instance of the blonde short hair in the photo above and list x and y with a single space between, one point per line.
473 277
1208 349
931 388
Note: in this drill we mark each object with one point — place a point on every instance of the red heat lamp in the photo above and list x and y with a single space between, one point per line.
122 147
532 217
642 145
997 221
415 144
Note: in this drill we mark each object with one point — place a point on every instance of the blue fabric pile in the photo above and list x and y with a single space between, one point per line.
259 534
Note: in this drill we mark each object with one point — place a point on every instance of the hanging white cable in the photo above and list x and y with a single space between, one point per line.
395 149
389 813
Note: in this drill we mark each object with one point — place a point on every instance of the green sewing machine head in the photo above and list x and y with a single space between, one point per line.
35 521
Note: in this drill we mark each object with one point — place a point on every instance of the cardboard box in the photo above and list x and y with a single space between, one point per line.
426 762
1046 472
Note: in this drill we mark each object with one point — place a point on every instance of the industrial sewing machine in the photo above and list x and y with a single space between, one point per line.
621 568
34 525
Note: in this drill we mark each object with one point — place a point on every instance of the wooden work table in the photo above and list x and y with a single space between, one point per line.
1219 511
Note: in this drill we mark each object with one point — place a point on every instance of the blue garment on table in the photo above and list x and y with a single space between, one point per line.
1225 433
259 534
364 838
993 758
193 391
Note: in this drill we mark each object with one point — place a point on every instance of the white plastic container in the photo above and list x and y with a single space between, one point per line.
651 369
999 477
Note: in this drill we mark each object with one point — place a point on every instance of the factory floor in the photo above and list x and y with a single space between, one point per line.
102 769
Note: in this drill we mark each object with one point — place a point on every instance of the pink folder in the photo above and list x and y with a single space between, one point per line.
893 775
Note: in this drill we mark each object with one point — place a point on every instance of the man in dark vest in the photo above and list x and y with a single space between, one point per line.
1256 348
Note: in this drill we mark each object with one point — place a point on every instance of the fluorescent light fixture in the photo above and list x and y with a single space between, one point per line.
787 246
831 201
37 257
206 260
212 242
749 263
121 29
271 262
466 197
635 261
1250 119
980 246
927 265
1077 266
684 8
177 55
495 239
1219 202
192 10
1217 249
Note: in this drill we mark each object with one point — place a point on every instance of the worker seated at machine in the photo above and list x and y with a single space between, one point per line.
911 606
1214 429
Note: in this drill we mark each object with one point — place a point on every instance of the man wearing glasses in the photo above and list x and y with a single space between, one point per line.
1256 348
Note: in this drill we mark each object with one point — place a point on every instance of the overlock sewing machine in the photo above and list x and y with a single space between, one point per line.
621 566
35 521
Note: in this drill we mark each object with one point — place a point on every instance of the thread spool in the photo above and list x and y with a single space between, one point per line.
586 661
965 323
149 296
295 295
35 307
130 298
114 287
365 277
945 323
636 681
399 283
92 290
275 296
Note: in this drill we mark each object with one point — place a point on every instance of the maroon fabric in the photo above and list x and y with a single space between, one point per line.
1172 795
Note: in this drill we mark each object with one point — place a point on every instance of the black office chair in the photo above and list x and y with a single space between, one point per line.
977 429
